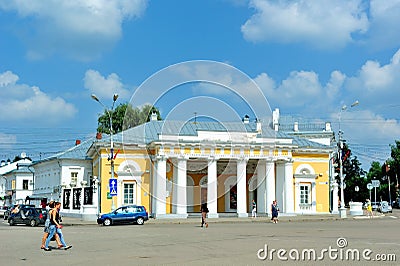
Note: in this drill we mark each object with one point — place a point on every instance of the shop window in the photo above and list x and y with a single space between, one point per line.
66 199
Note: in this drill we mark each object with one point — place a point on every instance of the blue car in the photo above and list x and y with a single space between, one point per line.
123 215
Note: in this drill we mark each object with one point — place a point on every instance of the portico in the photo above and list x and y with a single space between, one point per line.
220 181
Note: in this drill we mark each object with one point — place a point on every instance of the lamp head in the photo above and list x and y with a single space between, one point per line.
355 103
94 97
115 97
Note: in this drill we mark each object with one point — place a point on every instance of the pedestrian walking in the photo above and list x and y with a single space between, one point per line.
274 211
370 214
55 228
254 209
204 211
47 227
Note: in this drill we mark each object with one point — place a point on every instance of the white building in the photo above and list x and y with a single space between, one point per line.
15 181
66 177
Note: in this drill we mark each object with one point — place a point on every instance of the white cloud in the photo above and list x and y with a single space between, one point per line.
80 29
376 84
24 103
299 89
374 122
7 78
385 24
322 24
335 83
105 87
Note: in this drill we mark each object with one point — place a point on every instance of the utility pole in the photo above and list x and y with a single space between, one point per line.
111 158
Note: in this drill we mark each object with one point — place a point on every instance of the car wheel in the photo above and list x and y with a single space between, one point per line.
140 221
11 222
107 222
32 223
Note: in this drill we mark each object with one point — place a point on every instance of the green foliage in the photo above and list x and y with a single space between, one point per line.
354 176
124 117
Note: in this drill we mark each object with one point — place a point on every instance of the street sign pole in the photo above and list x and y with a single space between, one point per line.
369 186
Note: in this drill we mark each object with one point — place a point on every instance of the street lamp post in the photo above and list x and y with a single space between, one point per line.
388 176
342 210
111 157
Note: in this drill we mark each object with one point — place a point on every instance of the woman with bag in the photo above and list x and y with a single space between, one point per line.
55 228
47 227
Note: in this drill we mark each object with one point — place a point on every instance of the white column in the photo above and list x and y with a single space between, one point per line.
335 198
280 183
180 188
270 182
212 186
153 184
138 190
241 188
161 187
297 208
174 186
289 196
261 187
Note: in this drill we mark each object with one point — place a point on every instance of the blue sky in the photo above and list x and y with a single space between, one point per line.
309 58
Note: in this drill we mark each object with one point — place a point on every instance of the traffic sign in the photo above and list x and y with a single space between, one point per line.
375 183
113 187
369 186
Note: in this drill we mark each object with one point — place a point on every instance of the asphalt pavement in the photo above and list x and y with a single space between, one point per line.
227 241
70 221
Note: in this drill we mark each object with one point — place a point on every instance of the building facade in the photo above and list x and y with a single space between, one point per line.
171 167
16 181
67 177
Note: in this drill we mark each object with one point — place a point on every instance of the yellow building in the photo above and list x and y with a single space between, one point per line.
171 167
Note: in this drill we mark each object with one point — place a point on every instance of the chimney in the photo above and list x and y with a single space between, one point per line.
153 116
246 119
77 142
296 126
258 126
98 135
328 126
275 119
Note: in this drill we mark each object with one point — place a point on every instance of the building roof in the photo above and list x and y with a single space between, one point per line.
21 169
152 130
77 152
11 166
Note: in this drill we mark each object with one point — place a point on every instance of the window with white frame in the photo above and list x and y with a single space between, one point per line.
305 197
129 193
74 177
